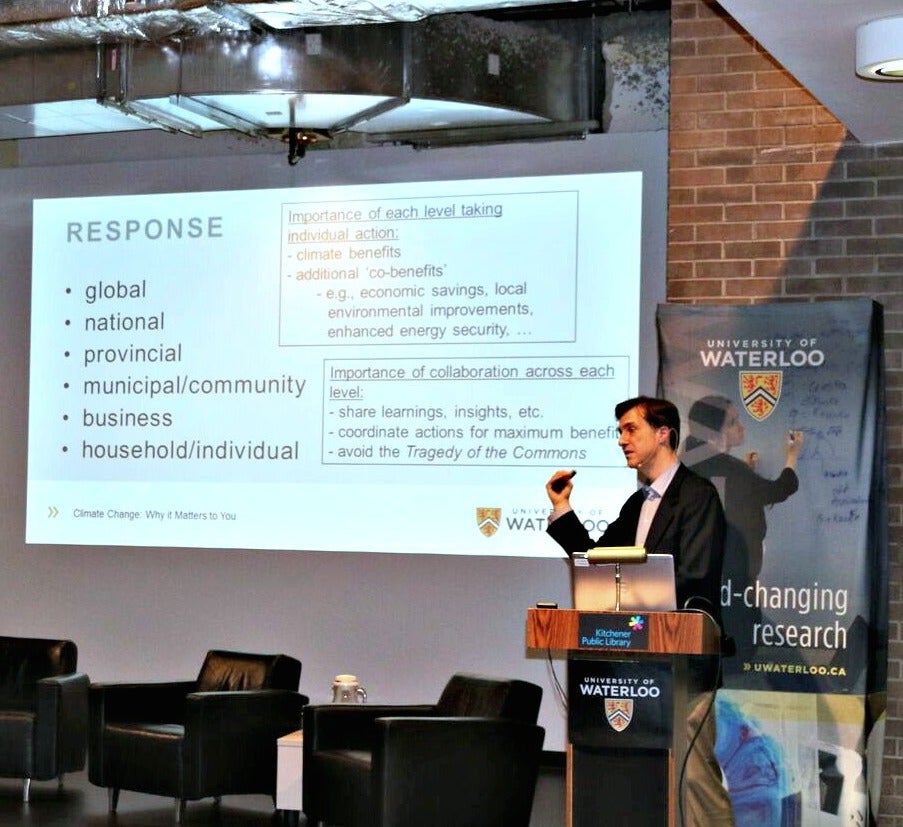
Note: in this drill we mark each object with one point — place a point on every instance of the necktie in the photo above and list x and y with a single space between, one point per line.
647 512
650 493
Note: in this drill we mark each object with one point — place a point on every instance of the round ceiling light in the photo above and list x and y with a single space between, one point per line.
879 49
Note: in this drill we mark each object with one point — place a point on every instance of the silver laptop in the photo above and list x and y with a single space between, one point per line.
647 587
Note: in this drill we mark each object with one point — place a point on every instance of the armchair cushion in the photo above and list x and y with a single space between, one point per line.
474 695
237 671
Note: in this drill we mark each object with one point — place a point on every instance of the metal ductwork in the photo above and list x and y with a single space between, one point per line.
305 72
29 24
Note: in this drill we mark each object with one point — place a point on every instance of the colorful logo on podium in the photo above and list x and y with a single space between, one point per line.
489 520
760 391
619 713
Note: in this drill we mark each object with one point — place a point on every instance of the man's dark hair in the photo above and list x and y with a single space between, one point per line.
659 413
710 412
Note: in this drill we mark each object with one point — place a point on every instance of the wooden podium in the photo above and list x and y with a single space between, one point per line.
631 679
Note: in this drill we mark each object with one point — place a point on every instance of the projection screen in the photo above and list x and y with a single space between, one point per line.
237 369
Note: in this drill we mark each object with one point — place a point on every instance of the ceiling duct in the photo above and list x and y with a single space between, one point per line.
28 23
440 79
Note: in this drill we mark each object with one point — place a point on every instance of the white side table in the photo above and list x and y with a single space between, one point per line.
289 755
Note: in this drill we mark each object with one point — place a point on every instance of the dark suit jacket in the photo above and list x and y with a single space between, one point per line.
689 524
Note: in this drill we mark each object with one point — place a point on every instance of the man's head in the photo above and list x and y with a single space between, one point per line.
716 420
649 430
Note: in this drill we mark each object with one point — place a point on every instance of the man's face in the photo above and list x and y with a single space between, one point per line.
733 429
639 441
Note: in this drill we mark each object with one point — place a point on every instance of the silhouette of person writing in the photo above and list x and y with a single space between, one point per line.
715 428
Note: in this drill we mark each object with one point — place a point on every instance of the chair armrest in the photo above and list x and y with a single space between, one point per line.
272 712
350 726
476 770
61 724
230 739
159 703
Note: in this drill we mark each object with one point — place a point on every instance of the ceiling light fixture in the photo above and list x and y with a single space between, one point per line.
879 49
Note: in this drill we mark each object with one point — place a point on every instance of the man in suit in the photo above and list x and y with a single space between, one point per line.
675 512
678 512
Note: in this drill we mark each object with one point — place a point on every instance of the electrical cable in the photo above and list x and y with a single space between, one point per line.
559 689
708 711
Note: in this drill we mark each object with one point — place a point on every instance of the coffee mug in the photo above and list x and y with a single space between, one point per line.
346 689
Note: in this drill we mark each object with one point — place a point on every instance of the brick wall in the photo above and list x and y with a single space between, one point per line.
770 200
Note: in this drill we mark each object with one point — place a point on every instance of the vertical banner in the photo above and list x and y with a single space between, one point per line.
782 408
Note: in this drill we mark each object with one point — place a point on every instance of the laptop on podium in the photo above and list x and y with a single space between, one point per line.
645 586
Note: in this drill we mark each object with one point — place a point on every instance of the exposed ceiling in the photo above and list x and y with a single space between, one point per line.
305 71
815 40
161 63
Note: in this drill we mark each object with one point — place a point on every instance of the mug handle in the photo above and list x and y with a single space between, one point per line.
361 693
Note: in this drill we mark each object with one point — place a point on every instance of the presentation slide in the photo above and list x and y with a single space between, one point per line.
390 368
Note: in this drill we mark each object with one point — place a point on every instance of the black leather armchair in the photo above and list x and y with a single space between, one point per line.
470 760
209 737
43 710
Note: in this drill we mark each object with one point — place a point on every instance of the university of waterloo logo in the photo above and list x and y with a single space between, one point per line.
489 520
619 713
760 392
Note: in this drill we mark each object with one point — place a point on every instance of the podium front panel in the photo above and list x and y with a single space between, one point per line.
627 788
613 780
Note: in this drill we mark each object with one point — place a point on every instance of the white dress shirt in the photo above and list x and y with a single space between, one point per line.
653 492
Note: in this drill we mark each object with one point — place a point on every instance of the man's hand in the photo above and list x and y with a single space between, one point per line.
559 487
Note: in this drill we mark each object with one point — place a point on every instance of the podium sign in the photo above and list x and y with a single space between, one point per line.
617 703
604 630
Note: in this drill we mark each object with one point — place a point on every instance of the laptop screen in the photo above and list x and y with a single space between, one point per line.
647 586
